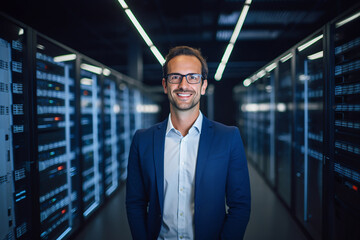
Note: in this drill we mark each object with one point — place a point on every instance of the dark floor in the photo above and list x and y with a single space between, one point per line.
269 219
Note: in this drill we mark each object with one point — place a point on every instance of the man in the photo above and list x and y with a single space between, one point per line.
183 170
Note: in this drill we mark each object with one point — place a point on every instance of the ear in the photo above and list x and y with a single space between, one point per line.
203 87
164 85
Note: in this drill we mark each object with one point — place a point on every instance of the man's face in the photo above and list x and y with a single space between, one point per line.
184 96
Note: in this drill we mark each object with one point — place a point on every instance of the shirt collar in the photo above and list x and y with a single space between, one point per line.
197 124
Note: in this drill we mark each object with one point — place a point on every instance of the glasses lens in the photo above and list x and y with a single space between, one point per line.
174 78
193 78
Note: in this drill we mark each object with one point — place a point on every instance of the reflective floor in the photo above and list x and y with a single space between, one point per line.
269 219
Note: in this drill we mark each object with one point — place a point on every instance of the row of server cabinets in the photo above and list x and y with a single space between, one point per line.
66 123
300 120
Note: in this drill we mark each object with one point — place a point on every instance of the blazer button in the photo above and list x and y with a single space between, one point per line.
159 215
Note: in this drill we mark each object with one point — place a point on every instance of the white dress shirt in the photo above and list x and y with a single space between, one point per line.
179 181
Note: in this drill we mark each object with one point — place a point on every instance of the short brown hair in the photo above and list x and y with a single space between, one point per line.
189 51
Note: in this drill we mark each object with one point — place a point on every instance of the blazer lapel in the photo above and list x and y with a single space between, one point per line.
159 146
203 151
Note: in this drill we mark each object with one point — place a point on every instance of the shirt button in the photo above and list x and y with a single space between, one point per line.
181 214
181 189
181 237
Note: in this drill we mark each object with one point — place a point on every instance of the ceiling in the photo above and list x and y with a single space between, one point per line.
101 30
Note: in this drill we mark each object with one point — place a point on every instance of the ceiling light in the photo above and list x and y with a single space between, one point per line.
142 32
349 19
316 55
286 57
229 48
270 67
91 68
106 72
309 43
247 82
261 74
64 58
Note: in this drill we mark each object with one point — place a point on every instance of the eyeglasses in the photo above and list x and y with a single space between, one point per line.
191 78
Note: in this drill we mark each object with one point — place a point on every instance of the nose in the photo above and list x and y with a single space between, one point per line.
183 83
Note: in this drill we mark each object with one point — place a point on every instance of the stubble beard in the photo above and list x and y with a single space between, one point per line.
193 104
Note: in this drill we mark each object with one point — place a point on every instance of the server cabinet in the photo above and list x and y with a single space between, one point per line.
346 127
111 148
308 133
90 103
59 183
283 129
123 119
15 194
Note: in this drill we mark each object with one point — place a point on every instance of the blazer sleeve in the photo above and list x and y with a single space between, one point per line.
237 192
136 200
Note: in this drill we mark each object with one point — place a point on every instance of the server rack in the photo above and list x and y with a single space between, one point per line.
56 151
15 163
346 127
316 128
64 134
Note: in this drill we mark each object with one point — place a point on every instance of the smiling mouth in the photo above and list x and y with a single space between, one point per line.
184 94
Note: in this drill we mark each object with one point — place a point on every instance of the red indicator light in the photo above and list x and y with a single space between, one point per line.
63 211
57 118
59 168
86 93
355 187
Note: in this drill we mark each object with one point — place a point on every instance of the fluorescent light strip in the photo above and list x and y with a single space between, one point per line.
224 60
234 36
158 55
91 68
239 24
316 55
139 27
349 19
64 58
285 58
247 82
270 67
309 43
142 32
261 74
106 72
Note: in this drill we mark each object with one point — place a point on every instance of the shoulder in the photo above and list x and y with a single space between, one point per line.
147 132
220 127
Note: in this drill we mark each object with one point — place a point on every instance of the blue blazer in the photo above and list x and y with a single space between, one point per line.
221 175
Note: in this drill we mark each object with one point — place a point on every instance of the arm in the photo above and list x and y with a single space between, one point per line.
237 192
136 200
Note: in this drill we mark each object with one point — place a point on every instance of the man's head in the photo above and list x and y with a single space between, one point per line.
189 51
184 80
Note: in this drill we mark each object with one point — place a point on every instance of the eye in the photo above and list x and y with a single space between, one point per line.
193 77
174 77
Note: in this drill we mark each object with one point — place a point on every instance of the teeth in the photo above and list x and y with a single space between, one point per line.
183 95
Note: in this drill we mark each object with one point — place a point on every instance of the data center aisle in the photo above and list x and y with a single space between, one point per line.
269 219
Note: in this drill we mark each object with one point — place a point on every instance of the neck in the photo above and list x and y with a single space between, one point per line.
183 120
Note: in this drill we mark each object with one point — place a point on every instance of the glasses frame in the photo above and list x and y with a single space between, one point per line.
182 76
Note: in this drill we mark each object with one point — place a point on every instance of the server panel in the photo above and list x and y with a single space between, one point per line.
90 103
111 148
14 162
58 171
347 127
308 136
283 128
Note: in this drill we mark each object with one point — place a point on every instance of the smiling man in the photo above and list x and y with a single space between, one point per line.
183 170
